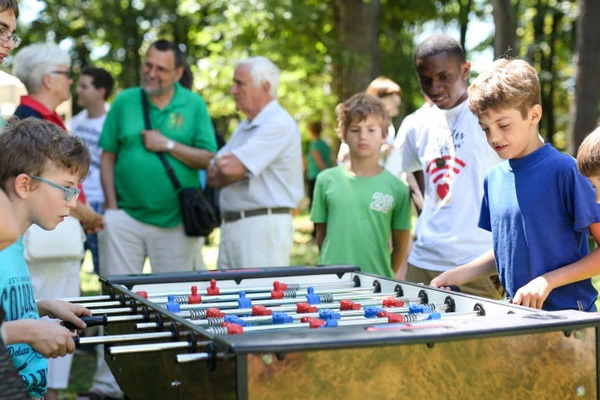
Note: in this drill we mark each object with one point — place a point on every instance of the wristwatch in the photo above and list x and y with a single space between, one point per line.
170 145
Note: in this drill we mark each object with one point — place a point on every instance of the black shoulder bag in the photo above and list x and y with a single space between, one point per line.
199 218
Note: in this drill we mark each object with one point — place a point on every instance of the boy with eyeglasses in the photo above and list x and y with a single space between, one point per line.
41 166
9 11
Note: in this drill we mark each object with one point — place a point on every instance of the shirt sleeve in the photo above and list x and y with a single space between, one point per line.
408 153
318 212
205 132
581 203
484 216
272 139
109 137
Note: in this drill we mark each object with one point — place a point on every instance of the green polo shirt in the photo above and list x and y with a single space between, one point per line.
144 190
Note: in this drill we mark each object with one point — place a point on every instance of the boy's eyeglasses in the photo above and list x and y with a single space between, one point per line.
6 35
69 192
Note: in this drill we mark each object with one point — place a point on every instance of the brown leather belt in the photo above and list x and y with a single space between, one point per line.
230 216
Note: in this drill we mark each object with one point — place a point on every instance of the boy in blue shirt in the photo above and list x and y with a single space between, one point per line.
358 207
536 204
41 166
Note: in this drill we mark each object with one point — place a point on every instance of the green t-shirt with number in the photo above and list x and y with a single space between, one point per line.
143 188
360 213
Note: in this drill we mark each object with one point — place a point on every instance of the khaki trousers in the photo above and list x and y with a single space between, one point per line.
484 287
125 243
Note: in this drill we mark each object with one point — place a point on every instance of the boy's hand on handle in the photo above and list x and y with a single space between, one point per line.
51 339
534 293
443 281
64 310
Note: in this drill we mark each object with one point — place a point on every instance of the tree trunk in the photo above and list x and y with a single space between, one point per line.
357 61
463 20
584 108
505 37
131 72
552 83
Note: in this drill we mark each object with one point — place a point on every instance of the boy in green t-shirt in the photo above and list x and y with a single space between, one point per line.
358 207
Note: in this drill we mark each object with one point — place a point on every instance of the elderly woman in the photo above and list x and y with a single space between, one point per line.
53 257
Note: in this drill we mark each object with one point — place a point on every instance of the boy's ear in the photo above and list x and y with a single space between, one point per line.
535 114
22 186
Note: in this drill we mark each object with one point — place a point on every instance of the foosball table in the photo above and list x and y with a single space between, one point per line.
333 332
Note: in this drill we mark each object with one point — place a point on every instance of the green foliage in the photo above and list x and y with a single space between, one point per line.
300 37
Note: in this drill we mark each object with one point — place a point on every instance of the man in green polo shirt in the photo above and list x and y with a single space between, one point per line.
143 215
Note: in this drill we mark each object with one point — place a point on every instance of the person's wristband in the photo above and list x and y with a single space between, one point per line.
3 333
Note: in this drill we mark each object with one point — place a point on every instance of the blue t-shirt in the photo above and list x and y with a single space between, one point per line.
538 209
19 303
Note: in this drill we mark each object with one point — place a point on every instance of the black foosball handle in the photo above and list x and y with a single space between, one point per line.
89 321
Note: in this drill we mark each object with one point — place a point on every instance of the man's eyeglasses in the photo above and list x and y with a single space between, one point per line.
6 35
68 74
69 192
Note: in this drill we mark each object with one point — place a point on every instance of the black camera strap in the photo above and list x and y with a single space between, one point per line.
161 156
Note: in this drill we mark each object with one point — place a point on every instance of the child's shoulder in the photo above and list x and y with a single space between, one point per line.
329 174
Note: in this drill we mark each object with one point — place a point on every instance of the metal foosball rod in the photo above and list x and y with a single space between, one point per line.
236 329
380 318
213 285
324 298
385 317
261 310
279 318
184 299
232 328
188 297
257 289
191 344
262 314
174 334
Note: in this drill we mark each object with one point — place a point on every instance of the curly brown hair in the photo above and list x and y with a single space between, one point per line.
357 108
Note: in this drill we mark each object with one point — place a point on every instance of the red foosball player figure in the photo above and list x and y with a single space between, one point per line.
194 298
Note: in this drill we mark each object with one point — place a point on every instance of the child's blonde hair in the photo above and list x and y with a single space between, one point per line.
357 108
588 155
507 83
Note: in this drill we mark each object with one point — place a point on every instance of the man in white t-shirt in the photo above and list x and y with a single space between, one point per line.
259 172
445 141
93 88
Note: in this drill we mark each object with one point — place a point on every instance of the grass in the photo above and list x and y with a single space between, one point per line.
304 252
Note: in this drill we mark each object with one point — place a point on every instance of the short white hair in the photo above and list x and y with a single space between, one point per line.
262 70
36 60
